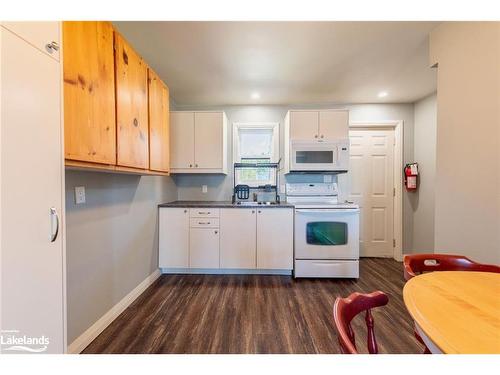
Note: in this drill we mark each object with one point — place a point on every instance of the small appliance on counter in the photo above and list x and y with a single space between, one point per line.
326 231
254 195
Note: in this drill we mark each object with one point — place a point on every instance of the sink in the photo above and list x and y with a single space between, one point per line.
254 204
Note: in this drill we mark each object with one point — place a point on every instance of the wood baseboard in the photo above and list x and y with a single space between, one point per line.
95 329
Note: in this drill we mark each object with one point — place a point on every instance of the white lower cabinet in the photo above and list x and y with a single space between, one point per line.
174 238
275 239
238 238
203 248
232 238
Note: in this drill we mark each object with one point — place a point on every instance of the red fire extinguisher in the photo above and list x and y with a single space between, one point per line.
411 176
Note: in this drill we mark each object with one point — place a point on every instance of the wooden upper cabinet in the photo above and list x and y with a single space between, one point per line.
159 124
89 92
131 106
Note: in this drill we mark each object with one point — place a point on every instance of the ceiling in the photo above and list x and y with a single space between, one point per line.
239 63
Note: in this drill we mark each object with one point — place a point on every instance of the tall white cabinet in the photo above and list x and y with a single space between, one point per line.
31 186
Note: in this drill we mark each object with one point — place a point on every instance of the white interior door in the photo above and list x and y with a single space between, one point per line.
32 262
371 186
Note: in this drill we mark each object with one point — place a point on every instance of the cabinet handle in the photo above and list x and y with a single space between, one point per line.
203 223
185 211
216 232
316 136
260 211
196 165
253 211
203 213
53 214
51 47
322 136
190 165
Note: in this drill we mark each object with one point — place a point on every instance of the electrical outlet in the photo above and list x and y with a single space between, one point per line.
204 188
79 194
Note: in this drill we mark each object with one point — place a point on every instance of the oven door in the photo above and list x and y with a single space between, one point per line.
327 233
319 156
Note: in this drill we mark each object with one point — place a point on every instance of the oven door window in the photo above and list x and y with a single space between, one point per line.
314 157
327 233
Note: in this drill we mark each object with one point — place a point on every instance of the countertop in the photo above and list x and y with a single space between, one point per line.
221 204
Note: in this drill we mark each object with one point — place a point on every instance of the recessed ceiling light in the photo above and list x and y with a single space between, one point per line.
382 94
255 95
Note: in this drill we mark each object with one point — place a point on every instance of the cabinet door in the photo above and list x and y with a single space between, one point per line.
275 238
181 140
42 35
89 92
238 238
204 248
208 140
131 106
304 125
32 263
174 238
159 120
333 124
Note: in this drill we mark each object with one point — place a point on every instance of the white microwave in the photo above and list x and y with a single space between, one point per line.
327 156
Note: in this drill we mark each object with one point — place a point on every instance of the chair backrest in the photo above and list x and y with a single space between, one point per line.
345 309
420 263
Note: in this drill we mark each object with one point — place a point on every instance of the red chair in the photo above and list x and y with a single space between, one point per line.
345 309
420 263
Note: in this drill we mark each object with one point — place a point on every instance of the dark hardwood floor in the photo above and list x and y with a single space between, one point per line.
257 314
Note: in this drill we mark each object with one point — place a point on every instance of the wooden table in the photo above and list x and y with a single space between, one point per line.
455 311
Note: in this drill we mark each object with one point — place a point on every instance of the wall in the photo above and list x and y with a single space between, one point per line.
112 240
220 187
467 199
425 156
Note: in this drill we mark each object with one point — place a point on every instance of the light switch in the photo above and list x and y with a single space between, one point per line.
79 194
204 188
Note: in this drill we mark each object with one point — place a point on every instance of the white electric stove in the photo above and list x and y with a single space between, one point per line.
326 231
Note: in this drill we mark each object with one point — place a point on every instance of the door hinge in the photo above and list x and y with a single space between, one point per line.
393 242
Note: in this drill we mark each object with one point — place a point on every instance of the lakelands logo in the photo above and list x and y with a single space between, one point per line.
14 341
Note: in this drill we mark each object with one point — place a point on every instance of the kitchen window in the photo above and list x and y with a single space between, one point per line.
255 143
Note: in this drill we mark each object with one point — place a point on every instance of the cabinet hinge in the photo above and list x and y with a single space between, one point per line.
393 192
393 242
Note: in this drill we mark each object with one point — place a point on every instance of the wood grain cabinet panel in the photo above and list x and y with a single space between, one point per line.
89 92
159 124
131 106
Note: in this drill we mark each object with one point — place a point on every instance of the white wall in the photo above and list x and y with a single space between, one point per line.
111 240
425 156
220 187
467 199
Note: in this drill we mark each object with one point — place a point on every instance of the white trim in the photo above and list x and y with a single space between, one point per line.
224 271
397 125
95 329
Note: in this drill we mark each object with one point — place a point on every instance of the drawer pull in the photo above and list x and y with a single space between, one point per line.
203 223
203 213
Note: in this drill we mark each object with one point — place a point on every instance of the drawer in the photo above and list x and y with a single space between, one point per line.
204 212
326 268
204 222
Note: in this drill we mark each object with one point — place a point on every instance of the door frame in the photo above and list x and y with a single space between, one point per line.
397 126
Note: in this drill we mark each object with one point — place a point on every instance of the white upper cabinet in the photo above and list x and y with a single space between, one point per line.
304 125
198 142
318 125
44 36
333 125
181 140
